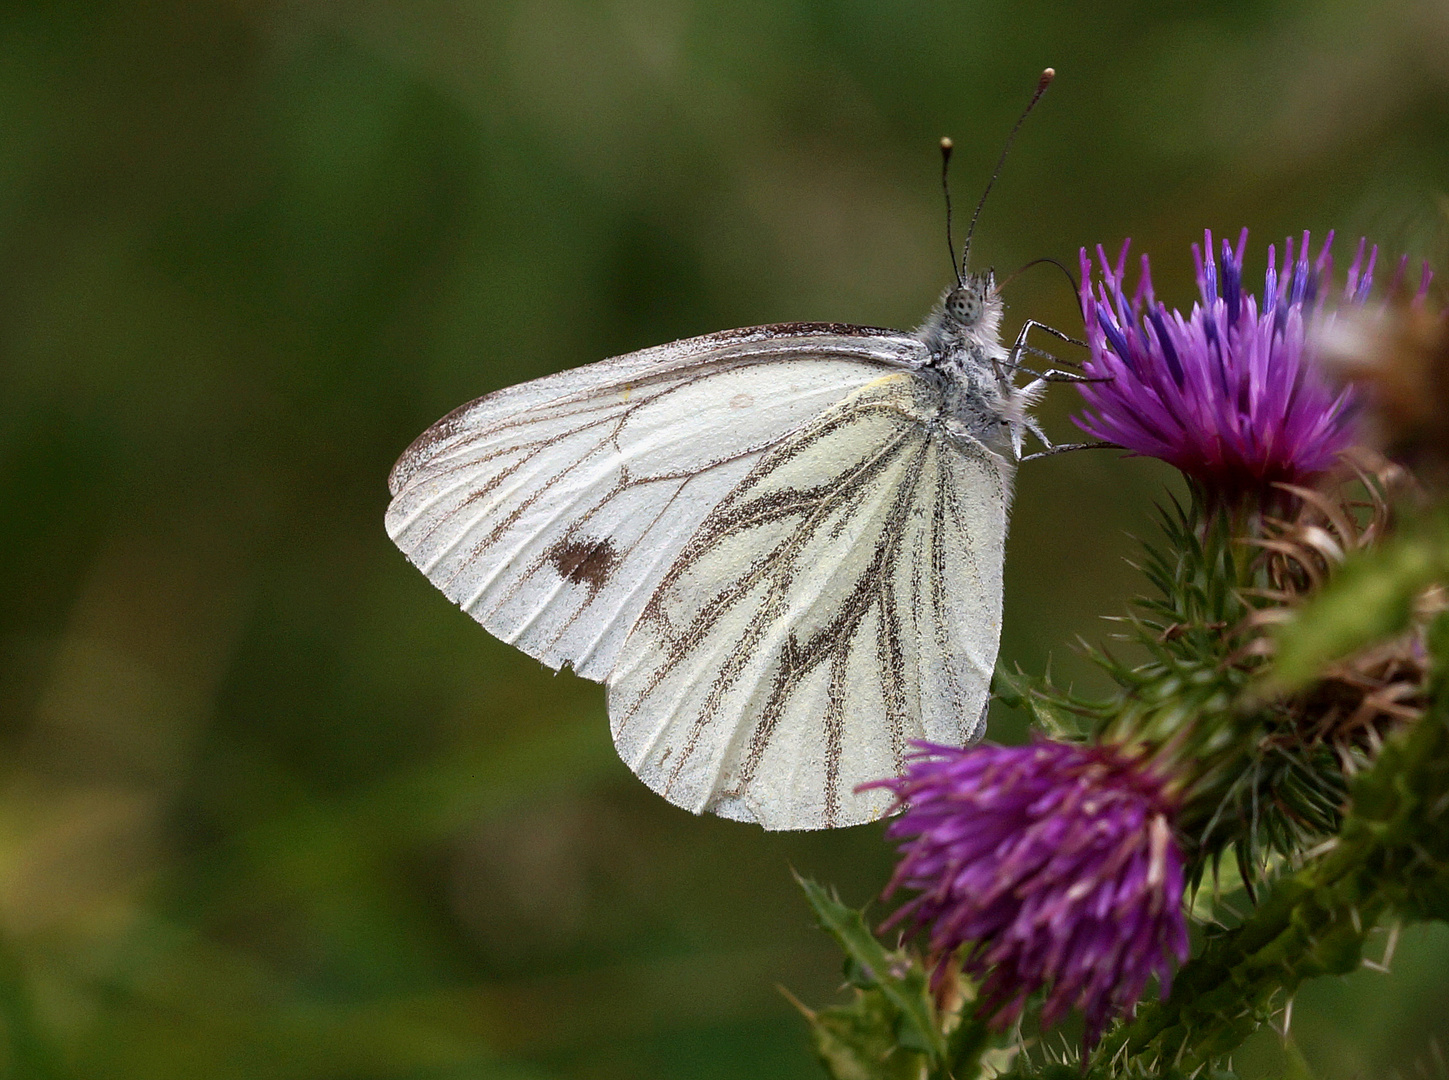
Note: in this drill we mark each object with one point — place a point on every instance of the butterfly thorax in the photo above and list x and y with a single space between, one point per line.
963 338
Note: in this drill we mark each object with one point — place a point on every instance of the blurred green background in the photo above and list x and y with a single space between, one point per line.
271 806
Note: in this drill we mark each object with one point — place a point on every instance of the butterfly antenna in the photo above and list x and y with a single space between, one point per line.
1037 262
946 147
1041 84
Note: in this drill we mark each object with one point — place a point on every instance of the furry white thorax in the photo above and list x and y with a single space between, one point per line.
963 337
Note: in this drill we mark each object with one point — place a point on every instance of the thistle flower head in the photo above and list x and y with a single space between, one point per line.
1054 864
1230 393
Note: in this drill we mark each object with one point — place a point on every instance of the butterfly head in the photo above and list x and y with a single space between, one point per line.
969 314
968 304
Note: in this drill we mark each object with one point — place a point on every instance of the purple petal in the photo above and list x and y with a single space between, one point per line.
1046 867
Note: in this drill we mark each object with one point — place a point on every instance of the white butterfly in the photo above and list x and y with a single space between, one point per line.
780 548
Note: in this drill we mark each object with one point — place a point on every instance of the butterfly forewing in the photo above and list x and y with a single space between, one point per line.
843 599
550 511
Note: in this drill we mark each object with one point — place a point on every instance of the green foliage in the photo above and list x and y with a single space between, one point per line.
892 1029
862 1041
899 980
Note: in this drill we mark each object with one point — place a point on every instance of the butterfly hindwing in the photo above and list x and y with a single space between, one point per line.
551 510
843 599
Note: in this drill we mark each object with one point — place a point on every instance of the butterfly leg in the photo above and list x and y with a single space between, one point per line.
1055 375
1020 348
1022 399
1030 392
1052 449
1032 324
1029 423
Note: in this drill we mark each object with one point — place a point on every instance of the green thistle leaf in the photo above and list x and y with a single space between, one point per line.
1017 690
869 966
859 1041
892 1029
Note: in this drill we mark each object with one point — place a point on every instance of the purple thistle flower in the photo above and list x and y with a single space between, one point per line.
1055 863
1230 394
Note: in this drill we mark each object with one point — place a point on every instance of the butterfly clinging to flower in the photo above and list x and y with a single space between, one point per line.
779 548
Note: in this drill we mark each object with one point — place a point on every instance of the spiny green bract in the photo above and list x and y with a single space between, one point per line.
1250 781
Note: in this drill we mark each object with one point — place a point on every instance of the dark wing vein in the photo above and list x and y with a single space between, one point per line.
833 639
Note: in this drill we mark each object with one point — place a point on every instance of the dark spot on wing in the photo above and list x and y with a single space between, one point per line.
585 561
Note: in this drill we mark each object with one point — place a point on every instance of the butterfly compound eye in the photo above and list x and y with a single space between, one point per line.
964 306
